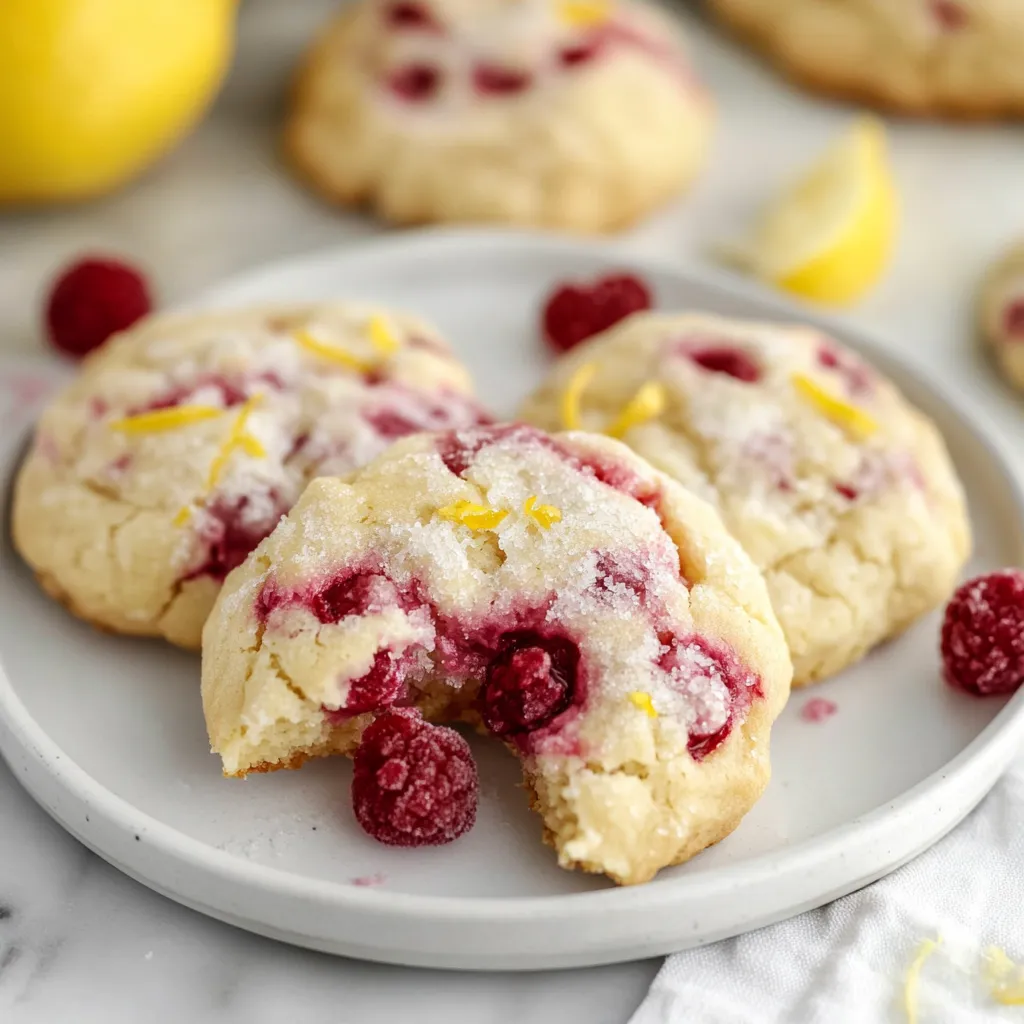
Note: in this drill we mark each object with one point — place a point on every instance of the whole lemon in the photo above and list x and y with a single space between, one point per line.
92 91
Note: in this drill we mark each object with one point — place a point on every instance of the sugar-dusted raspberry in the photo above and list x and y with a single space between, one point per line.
92 300
379 688
575 312
983 634
1013 318
530 683
416 83
733 362
490 79
414 784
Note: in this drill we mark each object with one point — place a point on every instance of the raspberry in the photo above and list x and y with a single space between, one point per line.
415 83
529 683
403 15
581 53
856 376
232 531
490 79
950 16
414 784
983 634
576 312
731 361
379 688
92 300
1013 318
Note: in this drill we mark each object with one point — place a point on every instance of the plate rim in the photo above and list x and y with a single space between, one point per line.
988 754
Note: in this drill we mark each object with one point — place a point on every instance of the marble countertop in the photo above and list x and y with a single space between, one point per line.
80 943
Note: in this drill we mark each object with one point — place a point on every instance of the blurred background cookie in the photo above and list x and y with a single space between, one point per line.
1001 314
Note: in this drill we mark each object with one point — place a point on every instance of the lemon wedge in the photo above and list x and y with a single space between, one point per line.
829 237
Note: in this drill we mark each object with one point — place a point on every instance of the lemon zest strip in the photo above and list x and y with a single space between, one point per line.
851 418
643 702
542 515
1004 978
159 420
183 516
381 336
647 404
476 517
238 437
584 13
333 353
924 951
573 393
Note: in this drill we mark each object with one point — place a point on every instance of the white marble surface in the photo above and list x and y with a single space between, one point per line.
78 942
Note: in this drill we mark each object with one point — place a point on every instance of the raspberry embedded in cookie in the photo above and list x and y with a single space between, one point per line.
415 83
231 530
490 79
413 784
983 635
408 15
1013 319
951 16
733 362
379 688
581 53
857 377
529 683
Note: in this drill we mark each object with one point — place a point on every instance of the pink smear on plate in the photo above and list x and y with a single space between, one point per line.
367 881
817 709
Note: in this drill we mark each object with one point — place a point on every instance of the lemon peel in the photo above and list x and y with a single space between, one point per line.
924 951
543 515
183 516
642 701
159 420
476 517
584 13
238 437
1003 977
647 404
573 393
854 420
381 336
332 353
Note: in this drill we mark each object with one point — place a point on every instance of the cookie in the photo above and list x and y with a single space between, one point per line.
556 591
1001 315
184 440
841 492
575 114
929 57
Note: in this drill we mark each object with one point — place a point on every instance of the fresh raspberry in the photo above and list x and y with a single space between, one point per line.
414 784
416 83
529 684
1013 318
733 362
490 79
983 634
92 300
576 312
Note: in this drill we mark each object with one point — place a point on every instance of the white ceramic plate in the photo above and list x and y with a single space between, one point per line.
108 735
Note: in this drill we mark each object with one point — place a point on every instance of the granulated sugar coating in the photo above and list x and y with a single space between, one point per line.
184 441
841 492
983 635
552 590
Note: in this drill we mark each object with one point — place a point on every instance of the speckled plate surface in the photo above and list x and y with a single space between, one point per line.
107 734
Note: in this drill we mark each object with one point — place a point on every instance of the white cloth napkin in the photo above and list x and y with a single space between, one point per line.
847 963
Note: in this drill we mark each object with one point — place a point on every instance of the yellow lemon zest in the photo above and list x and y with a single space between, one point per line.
333 353
646 404
476 517
578 383
381 337
584 13
924 951
542 515
159 420
851 418
643 702
238 437
183 516
1004 978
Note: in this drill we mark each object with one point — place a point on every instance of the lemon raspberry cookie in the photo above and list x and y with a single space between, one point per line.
184 440
574 114
947 57
841 492
556 591
1001 315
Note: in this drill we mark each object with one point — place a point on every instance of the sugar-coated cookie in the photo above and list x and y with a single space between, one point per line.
946 57
841 492
1001 315
574 114
556 591
184 440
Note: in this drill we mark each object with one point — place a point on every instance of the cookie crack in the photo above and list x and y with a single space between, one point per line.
294 688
